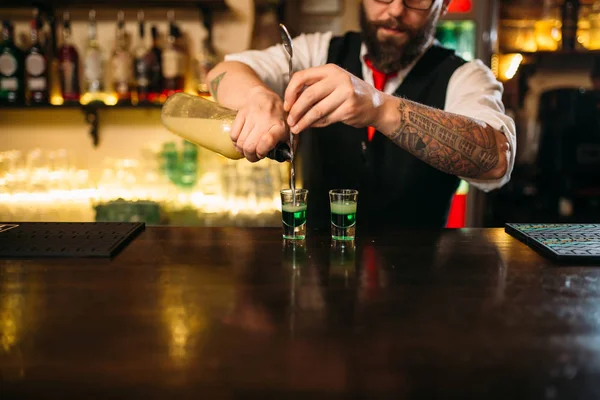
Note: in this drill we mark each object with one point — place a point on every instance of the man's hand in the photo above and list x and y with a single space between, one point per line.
321 96
259 125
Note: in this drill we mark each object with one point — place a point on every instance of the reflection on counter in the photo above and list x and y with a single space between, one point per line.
179 184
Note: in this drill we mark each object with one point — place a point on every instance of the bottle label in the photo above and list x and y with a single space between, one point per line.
171 63
8 65
122 88
68 73
93 66
140 66
35 64
143 82
154 69
37 84
141 72
121 67
11 84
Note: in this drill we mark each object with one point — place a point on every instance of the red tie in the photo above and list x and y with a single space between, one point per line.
379 80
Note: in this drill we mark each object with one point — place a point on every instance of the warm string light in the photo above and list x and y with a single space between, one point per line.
203 203
57 100
43 184
508 65
513 66
495 66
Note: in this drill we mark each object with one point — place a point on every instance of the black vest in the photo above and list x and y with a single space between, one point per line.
395 188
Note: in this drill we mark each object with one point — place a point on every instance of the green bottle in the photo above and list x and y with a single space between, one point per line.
12 68
170 162
445 33
189 165
465 45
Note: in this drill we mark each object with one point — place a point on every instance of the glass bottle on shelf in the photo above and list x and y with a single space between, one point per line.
594 18
12 71
446 34
189 165
205 61
172 62
68 59
155 67
548 27
465 42
141 62
93 63
121 62
47 34
36 68
570 18
170 161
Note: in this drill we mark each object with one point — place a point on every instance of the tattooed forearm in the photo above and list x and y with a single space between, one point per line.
214 85
452 143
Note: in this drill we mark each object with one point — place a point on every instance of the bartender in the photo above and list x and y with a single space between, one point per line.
387 111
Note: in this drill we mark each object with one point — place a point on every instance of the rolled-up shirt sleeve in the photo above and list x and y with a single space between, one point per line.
271 65
474 91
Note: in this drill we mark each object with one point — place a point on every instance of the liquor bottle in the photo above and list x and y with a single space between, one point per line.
172 62
141 62
36 68
188 174
446 34
12 70
93 63
68 59
205 61
170 161
52 54
47 39
465 42
570 18
155 67
122 62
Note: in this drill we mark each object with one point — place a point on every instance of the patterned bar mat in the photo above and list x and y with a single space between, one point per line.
66 239
561 242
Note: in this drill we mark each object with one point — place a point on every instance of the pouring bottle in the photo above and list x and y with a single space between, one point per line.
208 124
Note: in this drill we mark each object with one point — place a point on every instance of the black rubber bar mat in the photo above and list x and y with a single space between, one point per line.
577 243
66 239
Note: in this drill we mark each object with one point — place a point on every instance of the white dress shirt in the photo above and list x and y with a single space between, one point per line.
473 90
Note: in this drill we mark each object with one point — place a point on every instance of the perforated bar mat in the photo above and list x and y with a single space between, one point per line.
578 243
65 239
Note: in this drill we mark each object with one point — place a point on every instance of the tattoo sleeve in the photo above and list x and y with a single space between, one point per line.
452 143
214 85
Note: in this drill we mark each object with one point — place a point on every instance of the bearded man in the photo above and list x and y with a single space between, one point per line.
387 111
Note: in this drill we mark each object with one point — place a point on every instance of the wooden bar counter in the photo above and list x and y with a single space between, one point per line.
233 313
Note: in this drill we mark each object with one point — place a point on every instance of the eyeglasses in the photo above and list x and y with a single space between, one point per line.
422 5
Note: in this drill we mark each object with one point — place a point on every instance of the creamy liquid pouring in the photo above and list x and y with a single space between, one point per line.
212 134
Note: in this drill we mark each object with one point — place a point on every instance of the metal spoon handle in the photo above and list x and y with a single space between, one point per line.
289 48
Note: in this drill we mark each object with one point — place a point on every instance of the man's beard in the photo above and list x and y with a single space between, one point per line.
388 56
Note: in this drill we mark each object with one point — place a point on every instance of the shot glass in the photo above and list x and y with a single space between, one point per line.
343 213
293 213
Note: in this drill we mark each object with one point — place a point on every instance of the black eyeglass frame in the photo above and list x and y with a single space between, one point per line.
406 5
